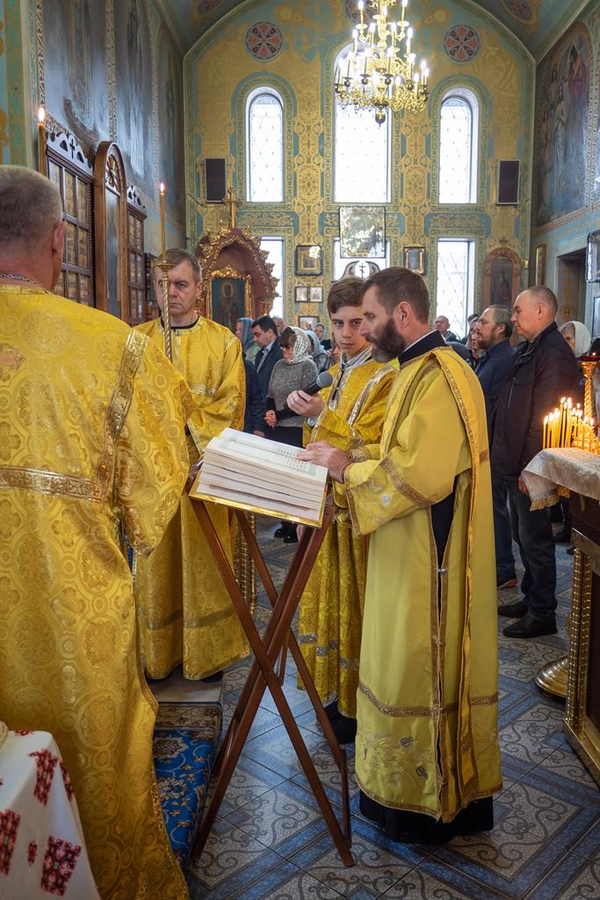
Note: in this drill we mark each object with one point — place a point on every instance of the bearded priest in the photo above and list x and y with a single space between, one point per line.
427 752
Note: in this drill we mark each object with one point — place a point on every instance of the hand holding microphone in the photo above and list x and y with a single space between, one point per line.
307 402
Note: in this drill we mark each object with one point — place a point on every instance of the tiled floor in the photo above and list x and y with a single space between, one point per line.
270 842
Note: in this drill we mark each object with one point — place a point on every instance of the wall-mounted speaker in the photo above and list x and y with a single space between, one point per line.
509 182
215 174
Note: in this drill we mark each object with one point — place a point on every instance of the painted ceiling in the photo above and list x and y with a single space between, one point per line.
536 23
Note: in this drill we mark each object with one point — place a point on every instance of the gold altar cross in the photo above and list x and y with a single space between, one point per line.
231 202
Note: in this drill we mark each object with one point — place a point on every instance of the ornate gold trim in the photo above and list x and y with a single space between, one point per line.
228 272
119 405
430 712
401 485
44 482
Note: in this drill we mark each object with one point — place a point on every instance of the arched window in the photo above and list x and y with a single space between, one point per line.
459 127
361 151
264 146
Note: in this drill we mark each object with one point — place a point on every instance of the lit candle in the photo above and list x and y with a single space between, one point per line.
163 239
41 116
545 442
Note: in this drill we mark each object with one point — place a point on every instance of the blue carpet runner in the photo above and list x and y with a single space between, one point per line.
185 737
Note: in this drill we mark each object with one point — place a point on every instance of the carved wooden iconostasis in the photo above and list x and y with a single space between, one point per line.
237 279
104 264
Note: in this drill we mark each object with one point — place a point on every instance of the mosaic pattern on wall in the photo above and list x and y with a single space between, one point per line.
562 128
263 40
461 43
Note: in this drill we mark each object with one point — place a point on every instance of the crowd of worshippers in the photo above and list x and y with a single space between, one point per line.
425 451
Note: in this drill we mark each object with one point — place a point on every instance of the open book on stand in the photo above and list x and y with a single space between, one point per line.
249 472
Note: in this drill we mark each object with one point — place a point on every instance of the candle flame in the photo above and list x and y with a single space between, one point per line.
162 188
41 114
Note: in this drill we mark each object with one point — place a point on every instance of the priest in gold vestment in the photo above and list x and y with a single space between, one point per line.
92 438
184 611
427 753
348 414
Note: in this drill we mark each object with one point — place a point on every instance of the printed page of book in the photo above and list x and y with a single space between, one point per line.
237 445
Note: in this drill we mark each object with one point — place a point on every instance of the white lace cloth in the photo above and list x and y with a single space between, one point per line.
554 473
42 853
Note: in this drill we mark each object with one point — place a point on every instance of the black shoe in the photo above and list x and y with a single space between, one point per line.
562 537
344 729
513 610
212 679
279 532
528 627
570 550
332 712
291 537
504 581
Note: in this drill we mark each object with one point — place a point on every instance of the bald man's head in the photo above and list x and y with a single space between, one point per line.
533 310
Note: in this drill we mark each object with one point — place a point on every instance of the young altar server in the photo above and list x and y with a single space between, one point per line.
348 414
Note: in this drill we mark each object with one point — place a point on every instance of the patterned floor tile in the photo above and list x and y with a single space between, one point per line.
528 656
531 729
231 861
565 764
281 818
250 780
298 700
572 879
537 821
379 863
287 883
263 721
433 881
275 750
589 845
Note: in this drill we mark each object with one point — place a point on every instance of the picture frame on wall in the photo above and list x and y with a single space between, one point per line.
592 260
316 294
309 259
540 264
301 293
362 232
308 322
596 317
414 259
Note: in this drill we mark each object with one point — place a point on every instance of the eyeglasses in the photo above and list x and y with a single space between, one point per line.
286 346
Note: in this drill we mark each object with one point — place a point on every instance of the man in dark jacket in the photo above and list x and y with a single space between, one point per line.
493 330
264 331
543 371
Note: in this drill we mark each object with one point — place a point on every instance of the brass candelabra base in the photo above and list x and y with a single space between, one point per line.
553 677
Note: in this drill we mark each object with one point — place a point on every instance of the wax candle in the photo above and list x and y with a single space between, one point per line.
163 239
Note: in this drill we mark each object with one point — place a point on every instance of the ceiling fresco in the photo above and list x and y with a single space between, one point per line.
536 23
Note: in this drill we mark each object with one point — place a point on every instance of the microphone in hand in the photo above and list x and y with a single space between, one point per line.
321 381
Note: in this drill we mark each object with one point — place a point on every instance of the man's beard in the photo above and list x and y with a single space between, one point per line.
387 343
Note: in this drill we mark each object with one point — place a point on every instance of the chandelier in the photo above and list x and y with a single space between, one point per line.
379 73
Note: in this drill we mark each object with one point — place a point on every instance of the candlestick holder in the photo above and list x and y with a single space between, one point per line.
588 366
164 267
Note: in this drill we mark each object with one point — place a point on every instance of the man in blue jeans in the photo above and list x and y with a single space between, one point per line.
544 369
494 329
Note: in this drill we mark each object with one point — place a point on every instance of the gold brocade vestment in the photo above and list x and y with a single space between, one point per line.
91 436
427 706
184 611
331 607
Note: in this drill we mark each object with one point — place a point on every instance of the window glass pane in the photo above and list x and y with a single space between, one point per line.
340 265
454 286
360 159
456 137
274 247
265 149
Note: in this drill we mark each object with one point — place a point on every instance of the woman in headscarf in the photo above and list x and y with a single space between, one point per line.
243 331
292 373
318 354
577 337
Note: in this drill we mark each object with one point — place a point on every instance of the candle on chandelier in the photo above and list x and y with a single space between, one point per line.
163 239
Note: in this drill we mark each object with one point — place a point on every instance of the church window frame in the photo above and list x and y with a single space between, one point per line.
465 99
253 194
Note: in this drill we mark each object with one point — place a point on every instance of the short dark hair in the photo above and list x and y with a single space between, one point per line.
265 323
502 316
345 292
397 284
472 317
176 256
287 338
